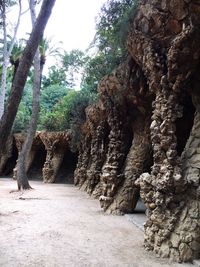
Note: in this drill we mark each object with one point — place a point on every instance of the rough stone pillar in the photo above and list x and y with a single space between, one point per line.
138 160
91 173
162 190
173 228
111 171
98 154
56 144
165 42
92 151
185 239
84 158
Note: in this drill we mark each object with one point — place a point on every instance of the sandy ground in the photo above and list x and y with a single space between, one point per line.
57 225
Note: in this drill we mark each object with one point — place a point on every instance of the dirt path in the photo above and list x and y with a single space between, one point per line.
57 225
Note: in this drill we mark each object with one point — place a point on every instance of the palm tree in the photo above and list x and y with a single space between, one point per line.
48 49
16 55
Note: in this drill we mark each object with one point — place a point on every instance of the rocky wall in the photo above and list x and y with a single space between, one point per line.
97 126
151 99
117 126
165 42
50 158
142 136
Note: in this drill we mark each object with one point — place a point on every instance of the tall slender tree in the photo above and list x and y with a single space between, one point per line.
22 179
14 99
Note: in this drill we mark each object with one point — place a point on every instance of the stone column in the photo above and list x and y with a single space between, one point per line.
138 161
111 171
56 144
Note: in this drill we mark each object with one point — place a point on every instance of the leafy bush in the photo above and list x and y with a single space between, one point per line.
24 112
69 113
51 95
22 119
112 23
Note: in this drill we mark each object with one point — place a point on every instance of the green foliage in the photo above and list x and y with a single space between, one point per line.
51 95
22 119
49 49
73 63
75 59
8 3
69 113
96 68
111 22
17 51
70 69
112 28
24 112
57 117
14 58
56 76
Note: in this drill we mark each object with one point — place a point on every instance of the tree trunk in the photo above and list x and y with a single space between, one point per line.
6 53
5 61
9 115
22 179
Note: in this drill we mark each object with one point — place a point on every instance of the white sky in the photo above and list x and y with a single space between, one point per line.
71 21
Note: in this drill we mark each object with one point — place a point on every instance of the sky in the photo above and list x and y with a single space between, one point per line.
71 21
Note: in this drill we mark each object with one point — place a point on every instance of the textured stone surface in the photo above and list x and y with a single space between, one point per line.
116 146
169 60
47 156
142 138
56 143
147 97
